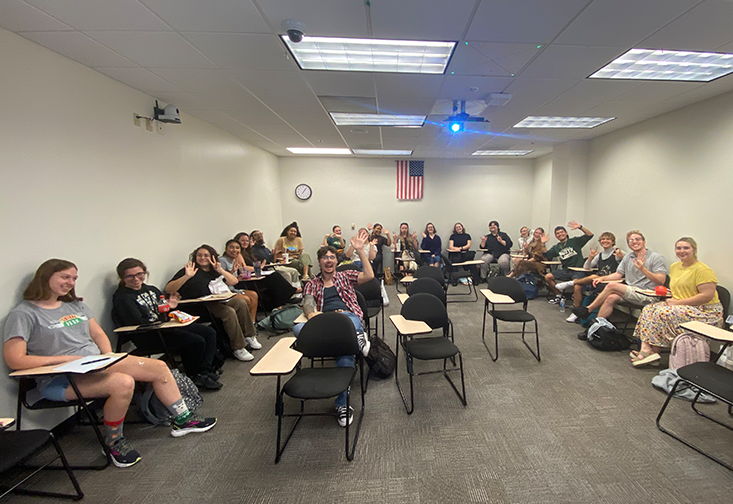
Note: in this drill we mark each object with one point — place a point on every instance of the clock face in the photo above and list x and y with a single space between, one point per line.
303 191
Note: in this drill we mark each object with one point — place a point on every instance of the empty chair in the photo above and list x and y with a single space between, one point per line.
512 288
373 295
429 286
431 272
454 274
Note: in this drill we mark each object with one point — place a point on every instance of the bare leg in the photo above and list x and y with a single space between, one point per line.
607 307
550 280
613 288
577 294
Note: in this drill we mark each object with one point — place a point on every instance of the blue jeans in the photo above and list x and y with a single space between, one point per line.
344 360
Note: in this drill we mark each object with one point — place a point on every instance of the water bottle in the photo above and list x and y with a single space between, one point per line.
258 268
562 305
164 309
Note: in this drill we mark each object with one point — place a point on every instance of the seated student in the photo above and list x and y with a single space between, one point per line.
525 237
381 241
291 243
534 254
406 249
333 290
459 247
135 302
694 297
606 263
192 281
53 326
335 240
254 245
233 262
642 269
370 251
431 242
498 245
570 252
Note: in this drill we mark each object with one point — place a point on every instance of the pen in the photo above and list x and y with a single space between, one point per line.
94 361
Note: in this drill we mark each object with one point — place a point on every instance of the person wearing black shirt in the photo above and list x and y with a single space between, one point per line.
497 245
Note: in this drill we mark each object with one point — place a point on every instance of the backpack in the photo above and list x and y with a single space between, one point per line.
608 339
280 320
688 349
381 359
530 285
155 411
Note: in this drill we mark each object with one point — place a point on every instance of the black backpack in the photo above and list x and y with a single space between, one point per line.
381 359
609 340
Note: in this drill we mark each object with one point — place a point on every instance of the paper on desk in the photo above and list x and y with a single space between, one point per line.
86 364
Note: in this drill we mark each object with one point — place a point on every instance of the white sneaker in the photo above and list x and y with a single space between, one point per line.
572 318
345 415
252 342
364 343
564 285
243 355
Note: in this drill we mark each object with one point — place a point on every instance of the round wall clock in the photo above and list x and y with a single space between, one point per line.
303 191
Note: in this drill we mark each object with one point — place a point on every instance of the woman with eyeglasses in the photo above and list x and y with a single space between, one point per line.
135 302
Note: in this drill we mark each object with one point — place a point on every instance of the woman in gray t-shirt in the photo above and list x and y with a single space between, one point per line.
53 326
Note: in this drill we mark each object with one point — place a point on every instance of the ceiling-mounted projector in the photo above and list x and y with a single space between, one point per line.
169 114
457 122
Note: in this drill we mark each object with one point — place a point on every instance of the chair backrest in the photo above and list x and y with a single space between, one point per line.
425 307
724 296
430 272
429 286
363 305
329 334
372 292
509 287
347 266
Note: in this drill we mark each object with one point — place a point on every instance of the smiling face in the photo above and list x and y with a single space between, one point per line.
537 235
327 263
134 278
561 235
458 228
62 282
493 228
636 242
685 251
606 242
377 230
292 233
524 232
203 259
257 237
431 229
233 250
337 230
404 229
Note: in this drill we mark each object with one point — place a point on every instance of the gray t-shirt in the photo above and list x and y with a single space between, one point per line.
61 331
654 263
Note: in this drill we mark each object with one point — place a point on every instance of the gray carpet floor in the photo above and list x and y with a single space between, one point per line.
577 427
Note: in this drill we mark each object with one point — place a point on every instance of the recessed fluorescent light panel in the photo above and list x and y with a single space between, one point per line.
371 55
562 122
377 152
657 64
348 119
318 150
501 152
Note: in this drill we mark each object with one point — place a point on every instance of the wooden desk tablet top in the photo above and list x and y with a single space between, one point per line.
280 360
495 298
53 369
402 296
611 281
709 331
408 279
652 293
588 270
210 297
469 263
6 422
551 263
408 327
167 325
421 251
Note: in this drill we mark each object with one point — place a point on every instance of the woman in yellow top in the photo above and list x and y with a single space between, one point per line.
694 297
291 243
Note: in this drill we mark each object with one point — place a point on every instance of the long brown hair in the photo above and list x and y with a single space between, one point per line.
38 289
127 264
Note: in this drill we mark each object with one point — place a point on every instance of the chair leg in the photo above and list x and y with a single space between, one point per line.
280 407
397 379
92 420
495 356
350 455
463 382
537 338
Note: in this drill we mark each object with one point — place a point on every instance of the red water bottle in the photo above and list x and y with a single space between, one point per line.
164 309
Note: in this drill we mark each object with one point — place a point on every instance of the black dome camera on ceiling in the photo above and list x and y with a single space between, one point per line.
294 28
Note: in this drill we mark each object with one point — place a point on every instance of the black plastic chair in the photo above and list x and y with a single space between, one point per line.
711 379
429 309
329 335
428 285
373 295
348 266
17 447
454 275
432 272
512 288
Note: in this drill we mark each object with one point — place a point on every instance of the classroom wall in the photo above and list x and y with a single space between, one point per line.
362 191
81 182
670 176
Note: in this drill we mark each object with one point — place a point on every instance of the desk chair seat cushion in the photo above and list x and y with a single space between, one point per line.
431 348
16 446
512 315
426 307
319 383
710 376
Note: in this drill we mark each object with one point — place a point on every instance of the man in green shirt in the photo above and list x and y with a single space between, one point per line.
570 252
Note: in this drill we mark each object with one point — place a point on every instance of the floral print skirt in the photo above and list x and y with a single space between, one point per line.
659 323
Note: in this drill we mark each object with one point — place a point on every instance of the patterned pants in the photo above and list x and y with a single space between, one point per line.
659 323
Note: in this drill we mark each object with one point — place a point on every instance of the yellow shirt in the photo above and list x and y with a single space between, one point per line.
684 281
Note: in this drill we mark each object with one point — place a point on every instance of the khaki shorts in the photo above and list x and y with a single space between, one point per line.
632 295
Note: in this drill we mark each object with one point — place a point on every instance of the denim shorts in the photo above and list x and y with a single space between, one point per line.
55 390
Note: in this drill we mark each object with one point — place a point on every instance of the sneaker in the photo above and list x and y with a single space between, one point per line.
583 335
243 355
343 414
463 280
364 343
564 285
555 299
123 454
581 312
195 423
256 345
572 318
206 382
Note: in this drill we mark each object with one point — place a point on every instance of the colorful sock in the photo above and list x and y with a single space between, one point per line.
180 412
114 431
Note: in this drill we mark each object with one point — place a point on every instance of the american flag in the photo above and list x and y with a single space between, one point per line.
410 179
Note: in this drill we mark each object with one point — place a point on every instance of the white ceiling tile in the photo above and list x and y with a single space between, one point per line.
613 109
653 92
458 87
199 81
704 28
79 47
533 93
392 105
246 51
210 16
597 90
317 122
563 108
416 19
153 49
326 83
571 62
532 21
18 16
265 82
324 18
101 15
184 101
256 118
412 86
619 23
492 58
140 79
289 103
327 141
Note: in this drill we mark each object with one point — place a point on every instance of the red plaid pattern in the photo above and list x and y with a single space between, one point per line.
344 281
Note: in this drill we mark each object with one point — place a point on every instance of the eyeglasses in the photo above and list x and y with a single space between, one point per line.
635 239
140 276
329 257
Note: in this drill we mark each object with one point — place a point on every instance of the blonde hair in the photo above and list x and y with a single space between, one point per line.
692 243
634 231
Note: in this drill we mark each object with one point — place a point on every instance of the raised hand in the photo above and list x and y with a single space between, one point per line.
500 239
216 265
544 238
639 262
239 262
593 252
359 240
173 300
573 225
190 269
619 253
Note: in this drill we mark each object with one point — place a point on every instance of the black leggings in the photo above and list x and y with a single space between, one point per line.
196 343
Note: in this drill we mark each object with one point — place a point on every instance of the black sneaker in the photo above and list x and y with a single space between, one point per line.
195 423
206 382
343 414
364 343
123 454
581 312
583 335
555 299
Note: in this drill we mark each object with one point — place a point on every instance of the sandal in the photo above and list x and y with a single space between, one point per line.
645 359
